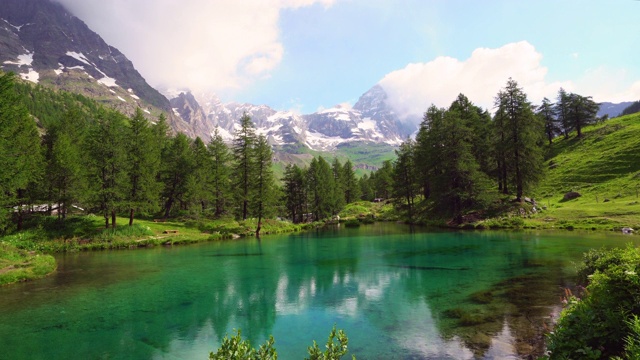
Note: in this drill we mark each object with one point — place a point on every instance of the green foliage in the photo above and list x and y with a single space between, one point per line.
336 347
20 156
19 265
597 325
235 348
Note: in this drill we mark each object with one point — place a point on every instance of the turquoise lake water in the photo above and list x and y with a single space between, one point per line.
398 294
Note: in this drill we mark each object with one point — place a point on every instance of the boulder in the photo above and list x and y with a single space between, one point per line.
571 195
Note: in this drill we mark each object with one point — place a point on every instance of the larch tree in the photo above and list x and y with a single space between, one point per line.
20 155
243 170
522 142
264 189
143 157
405 185
108 163
547 115
350 183
177 166
219 180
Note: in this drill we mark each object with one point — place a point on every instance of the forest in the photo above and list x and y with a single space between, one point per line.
64 153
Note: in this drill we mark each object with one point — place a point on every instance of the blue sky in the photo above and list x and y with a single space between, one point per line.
309 54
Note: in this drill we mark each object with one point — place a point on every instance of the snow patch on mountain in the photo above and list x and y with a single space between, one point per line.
78 56
23 60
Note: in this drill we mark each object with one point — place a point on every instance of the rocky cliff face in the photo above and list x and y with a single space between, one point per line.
45 44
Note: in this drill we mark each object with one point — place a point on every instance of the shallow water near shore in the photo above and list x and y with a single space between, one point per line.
398 293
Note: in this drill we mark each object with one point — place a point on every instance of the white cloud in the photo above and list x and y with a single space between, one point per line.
608 84
413 89
202 45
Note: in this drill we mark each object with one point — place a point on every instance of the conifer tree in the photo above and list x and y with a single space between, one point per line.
522 140
20 155
220 173
404 175
338 196
107 168
264 189
198 181
177 166
547 116
243 171
143 157
295 192
350 183
66 173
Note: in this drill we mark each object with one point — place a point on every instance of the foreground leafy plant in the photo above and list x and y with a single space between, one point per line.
235 348
603 324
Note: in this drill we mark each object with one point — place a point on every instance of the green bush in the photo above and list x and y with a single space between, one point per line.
603 323
235 348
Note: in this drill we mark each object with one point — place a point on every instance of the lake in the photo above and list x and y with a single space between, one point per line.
397 293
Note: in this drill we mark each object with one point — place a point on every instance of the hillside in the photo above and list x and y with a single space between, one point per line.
604 167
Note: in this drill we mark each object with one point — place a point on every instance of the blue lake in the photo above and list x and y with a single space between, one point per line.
397 293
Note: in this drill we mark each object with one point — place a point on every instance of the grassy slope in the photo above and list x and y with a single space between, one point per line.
603 164
20 265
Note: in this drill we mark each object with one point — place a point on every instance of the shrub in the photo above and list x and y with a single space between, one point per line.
235 348
603 323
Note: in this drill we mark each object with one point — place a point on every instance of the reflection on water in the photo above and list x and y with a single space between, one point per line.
398 294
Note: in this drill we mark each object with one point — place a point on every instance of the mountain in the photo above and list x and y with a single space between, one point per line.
613 109
45 44
370 120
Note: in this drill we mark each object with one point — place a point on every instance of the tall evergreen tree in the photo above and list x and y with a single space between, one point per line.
547 115
20 155
404 174
66 176
198 191
143 158
562 112
177 166
384 180
295 193
350 183
108 164
243 172
321 185
220 173
338 196
582 111
523 137
264 189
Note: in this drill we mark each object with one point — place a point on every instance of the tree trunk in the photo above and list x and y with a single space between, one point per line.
131 211
167 207
106 220
113 218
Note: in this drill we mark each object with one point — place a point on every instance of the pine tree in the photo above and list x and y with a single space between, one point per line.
220 173
295 193
582 111
264 188
66 173
198 181
561 109
177 166
107 164
321 185
522 140
339 198
20 155
350 183
547 115
143 157
243 174
404 174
